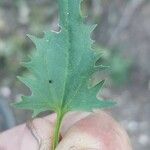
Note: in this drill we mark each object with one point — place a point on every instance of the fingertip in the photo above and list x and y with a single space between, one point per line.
100 125
51 118
97 130
70 119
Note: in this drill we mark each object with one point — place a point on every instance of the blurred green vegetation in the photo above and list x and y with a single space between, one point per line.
33 18
119 67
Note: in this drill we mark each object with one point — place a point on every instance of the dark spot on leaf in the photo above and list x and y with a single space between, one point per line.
50 81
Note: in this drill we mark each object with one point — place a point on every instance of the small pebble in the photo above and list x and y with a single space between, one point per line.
144 139
133 126
5 91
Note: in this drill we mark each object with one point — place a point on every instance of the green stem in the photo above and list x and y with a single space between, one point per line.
60 116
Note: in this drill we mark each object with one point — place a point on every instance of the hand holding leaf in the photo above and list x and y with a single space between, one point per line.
61 68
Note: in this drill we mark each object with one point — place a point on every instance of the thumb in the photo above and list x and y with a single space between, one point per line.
97 131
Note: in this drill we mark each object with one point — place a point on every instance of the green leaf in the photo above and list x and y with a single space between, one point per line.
61 69
62 65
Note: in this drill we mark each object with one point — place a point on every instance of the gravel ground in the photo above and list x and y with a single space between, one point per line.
133 113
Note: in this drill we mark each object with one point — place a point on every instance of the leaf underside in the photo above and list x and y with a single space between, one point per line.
62 66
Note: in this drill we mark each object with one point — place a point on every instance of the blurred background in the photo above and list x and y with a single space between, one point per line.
123 37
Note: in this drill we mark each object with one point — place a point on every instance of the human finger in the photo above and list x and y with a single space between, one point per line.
97 131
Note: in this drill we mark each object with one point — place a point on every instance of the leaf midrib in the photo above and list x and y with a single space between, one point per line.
66 28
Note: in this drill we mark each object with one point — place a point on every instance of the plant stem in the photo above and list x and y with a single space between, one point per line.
56 137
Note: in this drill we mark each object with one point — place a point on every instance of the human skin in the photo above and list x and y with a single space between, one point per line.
80 131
